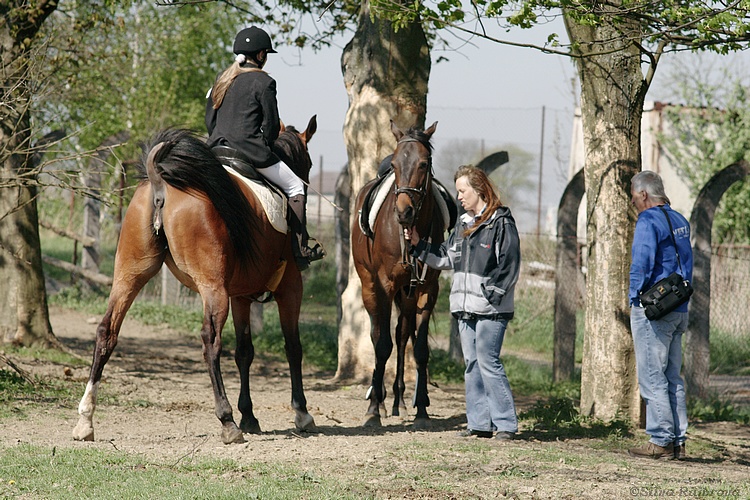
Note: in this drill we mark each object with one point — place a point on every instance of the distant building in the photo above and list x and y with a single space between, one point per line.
653 122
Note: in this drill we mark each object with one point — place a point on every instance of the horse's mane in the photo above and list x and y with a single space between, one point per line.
291 150
187 163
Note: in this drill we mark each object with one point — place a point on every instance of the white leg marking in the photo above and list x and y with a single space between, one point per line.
88 402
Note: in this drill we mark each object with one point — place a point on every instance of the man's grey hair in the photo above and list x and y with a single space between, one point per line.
651 183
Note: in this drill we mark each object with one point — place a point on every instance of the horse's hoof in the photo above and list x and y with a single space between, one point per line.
372 421
250 426
83 431
422 424
231 435
305 422
397 409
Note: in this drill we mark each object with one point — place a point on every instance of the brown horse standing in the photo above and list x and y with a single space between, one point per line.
213 234
388 274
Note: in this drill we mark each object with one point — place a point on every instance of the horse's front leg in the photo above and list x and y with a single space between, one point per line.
425 304
380 326
215 312
289 300
243 357
404 331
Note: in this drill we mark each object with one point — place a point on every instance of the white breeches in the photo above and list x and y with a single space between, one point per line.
281 175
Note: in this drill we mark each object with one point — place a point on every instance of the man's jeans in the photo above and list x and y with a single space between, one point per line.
489 402
658 357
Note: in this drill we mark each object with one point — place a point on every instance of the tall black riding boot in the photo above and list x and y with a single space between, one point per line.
298 220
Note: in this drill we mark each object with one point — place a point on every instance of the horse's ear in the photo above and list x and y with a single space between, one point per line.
312 127
431 130
397 133
282 127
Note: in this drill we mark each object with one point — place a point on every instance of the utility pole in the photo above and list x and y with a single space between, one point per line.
539 188
320 192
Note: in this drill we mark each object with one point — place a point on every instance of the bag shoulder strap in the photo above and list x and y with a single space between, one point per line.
671 234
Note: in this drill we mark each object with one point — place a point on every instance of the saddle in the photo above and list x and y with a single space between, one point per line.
376 194
271 197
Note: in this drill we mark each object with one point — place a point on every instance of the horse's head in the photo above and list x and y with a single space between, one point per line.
412 164
291 147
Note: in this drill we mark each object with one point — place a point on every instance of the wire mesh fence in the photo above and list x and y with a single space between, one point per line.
730 296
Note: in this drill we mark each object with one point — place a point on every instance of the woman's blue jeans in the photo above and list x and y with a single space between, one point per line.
658 357
489 402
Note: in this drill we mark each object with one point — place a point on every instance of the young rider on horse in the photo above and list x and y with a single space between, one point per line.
243 122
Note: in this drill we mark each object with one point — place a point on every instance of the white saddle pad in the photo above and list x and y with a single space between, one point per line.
385 188
273 202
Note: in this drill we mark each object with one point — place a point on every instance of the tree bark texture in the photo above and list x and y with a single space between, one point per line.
612 94
385 74
24 317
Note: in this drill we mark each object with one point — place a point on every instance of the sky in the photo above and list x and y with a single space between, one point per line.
493 93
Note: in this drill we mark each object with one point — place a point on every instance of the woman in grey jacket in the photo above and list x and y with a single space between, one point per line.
484 252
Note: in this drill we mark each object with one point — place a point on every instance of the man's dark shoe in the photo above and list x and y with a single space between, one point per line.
653 451
472 432
679 452
505 436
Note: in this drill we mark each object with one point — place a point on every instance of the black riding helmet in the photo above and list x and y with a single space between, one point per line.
252 40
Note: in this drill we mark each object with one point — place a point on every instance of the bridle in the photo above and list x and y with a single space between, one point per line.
407 260
412 192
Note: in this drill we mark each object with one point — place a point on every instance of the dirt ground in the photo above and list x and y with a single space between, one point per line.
164 413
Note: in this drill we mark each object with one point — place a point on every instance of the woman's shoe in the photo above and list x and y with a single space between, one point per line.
472 432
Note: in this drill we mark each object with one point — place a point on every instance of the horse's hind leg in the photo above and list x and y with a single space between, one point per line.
215 312
243 357
120 299
289 300
139 258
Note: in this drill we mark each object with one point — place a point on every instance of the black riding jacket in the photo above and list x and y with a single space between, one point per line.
248 118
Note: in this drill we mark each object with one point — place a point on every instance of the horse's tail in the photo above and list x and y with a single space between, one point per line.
178 158
157 185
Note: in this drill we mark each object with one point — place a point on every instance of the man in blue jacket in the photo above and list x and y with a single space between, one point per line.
658 343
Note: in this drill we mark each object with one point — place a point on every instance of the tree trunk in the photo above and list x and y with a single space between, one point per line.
612 94
385 74
24 317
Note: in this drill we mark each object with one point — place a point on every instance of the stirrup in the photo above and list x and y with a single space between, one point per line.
316 252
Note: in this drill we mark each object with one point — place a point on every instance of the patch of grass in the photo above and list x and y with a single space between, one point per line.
444 369
145 311
178 318
320 283
62 248
534 378
79 299
319 339
717 410
16 393
532 328
559 418
42 354
730 354
525 378
36 472
532 325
